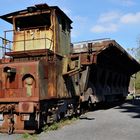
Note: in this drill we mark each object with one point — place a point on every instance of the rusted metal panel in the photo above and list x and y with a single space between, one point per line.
33 39
60 88
43 79
19 84
18 99
95 45
71 64
64 42
84 79
65 87
26 107
42 53
87 59
52 80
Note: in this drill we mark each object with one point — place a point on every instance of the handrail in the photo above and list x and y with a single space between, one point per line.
4 39
6 44
3 46
33 39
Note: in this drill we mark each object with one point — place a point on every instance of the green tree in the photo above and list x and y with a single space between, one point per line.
135 80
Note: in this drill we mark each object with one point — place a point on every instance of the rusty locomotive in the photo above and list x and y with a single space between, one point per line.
44 77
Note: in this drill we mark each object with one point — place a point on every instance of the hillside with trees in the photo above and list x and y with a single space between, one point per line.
135 79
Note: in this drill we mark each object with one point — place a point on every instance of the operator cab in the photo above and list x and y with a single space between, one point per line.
39 27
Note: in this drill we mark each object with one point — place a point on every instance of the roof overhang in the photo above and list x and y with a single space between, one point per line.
109 52
36 9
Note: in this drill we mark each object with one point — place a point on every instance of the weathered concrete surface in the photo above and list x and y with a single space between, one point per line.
121 122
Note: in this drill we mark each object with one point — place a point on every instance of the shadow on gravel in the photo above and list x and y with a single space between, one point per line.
131 106
107 105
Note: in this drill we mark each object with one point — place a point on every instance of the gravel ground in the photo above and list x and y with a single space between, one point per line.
121 122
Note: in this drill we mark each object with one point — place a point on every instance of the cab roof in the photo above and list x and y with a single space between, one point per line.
109 52
35 9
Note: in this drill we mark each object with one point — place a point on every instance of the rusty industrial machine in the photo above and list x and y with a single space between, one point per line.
43 77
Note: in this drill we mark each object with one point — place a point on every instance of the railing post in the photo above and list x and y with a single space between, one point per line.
24 40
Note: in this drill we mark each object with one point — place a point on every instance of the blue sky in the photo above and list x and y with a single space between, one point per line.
92 19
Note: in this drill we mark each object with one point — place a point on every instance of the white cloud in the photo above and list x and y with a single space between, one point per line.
104 28
127 2
107 22
130 18
124 2
113 21
109 16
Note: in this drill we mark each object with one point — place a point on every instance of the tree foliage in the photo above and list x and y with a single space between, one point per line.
135 52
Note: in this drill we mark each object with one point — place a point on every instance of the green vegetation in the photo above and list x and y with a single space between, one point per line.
130 97
53 127
58 125
134 85
27 136
47 128
135 81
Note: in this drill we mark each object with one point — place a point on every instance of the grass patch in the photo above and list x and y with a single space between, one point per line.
52 127
27 136
58 125
129 97
47 128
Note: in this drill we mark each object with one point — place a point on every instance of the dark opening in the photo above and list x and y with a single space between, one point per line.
63 25
33 21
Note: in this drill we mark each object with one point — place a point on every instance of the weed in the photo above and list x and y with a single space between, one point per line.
52 127
27 136
58 125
